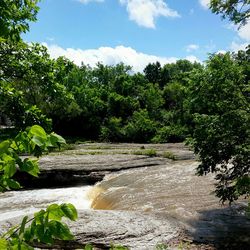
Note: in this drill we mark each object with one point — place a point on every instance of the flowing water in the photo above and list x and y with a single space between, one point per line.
19 203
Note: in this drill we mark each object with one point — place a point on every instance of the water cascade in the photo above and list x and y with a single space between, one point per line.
20 203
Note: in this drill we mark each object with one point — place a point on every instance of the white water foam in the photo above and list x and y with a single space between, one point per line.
19 203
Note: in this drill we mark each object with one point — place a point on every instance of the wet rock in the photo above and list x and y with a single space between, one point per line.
105 228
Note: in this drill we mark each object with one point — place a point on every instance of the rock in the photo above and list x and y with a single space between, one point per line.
141 201
105 228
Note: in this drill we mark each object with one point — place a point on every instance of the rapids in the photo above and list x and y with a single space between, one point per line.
20 203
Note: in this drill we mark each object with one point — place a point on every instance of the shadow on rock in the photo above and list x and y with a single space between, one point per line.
226 228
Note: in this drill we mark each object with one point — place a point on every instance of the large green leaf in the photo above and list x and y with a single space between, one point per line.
10 165
56 139
60 230
38 135
4 146
22 227
13 184
3 244
38 131
31 167
69 210
55 212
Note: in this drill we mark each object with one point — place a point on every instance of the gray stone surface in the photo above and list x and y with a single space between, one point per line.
143 201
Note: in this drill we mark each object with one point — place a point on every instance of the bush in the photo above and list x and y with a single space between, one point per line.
112 131
172 133
140 128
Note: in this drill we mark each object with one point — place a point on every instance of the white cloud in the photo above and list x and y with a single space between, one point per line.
221 52
204 3
88 1
244 32
238 46
144 12
111 56
192 47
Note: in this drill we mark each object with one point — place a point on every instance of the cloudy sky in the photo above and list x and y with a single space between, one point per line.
135 32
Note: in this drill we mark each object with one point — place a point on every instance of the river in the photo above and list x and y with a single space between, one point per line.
20 203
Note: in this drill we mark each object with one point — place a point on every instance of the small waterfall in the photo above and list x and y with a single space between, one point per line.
20 203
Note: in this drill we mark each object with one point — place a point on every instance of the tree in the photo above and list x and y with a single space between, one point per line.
238 11
153 72
15 16
220 103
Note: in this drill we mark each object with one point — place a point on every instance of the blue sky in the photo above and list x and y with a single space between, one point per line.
135 32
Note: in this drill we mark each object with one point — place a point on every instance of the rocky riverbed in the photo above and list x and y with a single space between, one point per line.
145 196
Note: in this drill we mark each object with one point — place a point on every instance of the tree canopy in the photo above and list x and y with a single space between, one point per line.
238 11
14 17
219 102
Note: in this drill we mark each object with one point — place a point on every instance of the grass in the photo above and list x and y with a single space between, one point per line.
169 155
148 152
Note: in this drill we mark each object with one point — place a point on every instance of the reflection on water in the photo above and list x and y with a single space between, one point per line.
19 203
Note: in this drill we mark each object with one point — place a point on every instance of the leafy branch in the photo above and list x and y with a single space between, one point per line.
44 227
32 142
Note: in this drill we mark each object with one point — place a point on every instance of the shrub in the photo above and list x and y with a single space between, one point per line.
172 133
112 131
140 128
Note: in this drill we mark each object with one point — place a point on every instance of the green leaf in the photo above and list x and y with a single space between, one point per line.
13 184
70 211
10 169
55 212
38 131
39 232
39 218
25 246
10 165
4 146
30 166
88 247
55 138
47 238
28 235
3 244
38 141
23 224
60 230
38 135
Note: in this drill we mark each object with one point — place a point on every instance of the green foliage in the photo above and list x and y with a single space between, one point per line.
14 17
161 246
20 113
169 155
112 131
219 101
148 152
238 11
172 133
29 70
140 128
32 141
44 227
118 247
